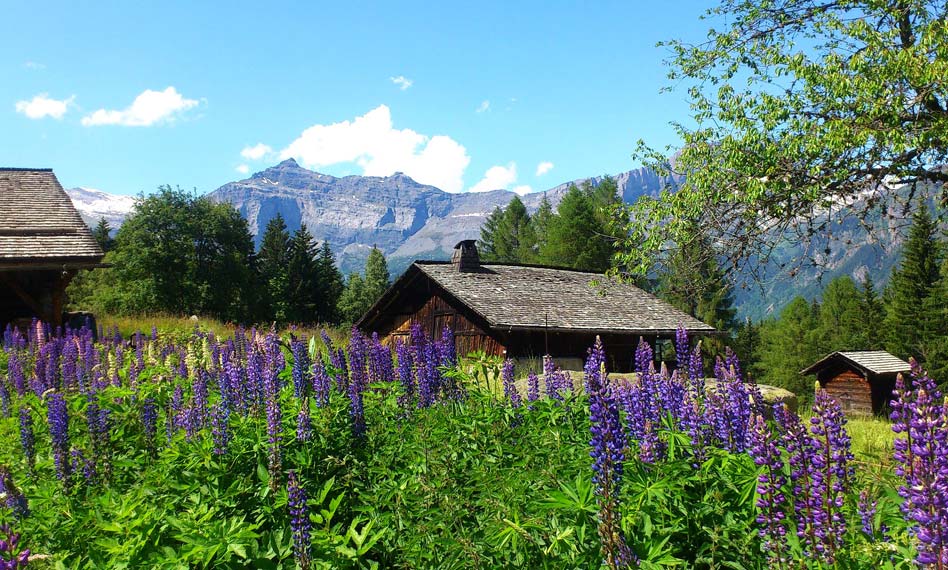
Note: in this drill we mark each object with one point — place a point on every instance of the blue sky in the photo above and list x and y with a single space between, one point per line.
517 95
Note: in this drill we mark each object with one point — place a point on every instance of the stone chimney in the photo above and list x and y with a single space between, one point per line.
465 258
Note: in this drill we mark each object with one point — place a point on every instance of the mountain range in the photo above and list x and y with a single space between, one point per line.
408 220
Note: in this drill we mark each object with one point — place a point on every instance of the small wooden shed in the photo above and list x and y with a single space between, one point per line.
524 311
43 243
861 381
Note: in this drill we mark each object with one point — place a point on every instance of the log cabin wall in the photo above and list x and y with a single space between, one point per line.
437 313
851 390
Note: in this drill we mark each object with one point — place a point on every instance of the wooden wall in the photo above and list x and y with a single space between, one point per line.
851 390
436 314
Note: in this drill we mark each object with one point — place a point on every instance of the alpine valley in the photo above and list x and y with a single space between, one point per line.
408 220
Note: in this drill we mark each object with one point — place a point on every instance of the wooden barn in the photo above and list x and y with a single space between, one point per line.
43 243
524 311
861 381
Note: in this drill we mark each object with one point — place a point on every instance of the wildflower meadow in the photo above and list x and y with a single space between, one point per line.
275 451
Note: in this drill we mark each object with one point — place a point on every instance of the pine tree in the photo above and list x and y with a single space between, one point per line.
352 300
539 225
575 236
486 246
840 320
871 316
272 260
910 323
787 346
102 234
302 292
695 283
330 285
376 277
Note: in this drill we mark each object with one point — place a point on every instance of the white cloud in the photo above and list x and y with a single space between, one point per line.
496 178
372 143
522 189
149 108
243 169
42 106
484 106
256 152
34 65
402 82
544 167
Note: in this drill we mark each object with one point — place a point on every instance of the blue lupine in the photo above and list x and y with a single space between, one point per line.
607 443
220 429
13 498
510 387
299 521
57 416
301 367
533 387
304 425
28 437
11 557
770 499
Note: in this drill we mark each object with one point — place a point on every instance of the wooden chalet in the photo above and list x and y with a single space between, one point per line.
861 381
524 311
43 243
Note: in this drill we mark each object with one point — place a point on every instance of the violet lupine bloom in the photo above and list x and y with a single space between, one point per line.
867 512
404 372
57 416
682 350
921 451
550 378
150 423
322 384
28 437
4 398
801 447
13 498
299 521
11 557
97 419
358 360
357 412
304 425
301 367
510 388
220 428
533 387
607 443
831 474
15 374
199 397
770 499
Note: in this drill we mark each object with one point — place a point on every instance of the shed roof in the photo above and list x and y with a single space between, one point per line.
39 226
873 361
527 297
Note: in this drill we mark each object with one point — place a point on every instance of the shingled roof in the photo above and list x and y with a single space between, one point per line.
524 297
39 226
872 361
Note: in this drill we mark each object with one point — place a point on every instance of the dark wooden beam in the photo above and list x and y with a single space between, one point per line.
24 296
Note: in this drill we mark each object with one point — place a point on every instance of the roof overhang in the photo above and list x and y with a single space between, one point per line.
638 332
51 264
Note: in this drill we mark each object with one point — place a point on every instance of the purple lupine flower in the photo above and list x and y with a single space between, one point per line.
15 374
150 423
607 443
550 378
533 387
643 357
299 520
220 428
920 450
97 420
80 464
4 398
199 396
322 384
357 412
801 447
57 416
866 508
304 425
682 350
13 499
301 367
11 557
770 499
510 388
404 372
696 370
69 356
831 474
28 437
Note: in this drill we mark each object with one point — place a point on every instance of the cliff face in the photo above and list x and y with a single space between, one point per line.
403 218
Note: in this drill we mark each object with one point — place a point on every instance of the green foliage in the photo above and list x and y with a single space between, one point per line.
302 278
361 293
178 253
102 232
576 236
798 106
272 261
789 345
